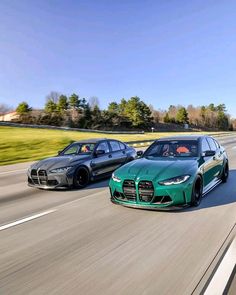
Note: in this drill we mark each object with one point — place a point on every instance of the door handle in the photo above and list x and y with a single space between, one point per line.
110 156
214 158
123 152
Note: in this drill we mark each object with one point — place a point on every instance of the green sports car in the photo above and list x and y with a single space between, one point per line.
173 172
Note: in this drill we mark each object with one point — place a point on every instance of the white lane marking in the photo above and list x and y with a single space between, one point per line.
17 222
223 273
13 171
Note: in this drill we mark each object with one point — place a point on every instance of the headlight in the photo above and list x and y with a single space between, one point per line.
60 170
115 178
175 180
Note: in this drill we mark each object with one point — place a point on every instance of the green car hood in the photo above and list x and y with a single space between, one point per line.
157 169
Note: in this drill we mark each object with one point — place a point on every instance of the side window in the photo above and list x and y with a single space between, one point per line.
103 146
71 150
87 148
205 145
122 146
217 143
114 145
212 144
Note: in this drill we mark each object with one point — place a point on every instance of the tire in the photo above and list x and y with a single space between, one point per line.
197 192
225 173
81 177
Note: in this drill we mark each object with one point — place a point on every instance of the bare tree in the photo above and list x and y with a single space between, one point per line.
53 96
194 114
155 114
4 108
93 102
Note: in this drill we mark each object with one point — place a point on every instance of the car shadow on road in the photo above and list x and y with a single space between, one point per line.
103 183
223 194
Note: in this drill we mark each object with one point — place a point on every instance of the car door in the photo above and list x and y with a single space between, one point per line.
208 164
119 154
217 159
102 164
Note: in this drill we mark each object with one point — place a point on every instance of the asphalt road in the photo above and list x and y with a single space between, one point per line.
84 244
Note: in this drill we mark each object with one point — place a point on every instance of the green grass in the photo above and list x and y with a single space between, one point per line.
28 144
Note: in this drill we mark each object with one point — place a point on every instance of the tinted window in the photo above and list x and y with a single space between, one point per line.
71 150
205 145
212 144
122 146
175 148
114 145
86 148
79 148
103 146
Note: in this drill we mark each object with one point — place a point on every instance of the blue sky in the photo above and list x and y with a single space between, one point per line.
164 51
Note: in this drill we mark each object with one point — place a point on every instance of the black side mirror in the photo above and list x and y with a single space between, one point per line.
59 152
209 154
99 152
139 154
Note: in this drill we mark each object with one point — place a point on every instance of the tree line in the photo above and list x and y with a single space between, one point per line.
132 113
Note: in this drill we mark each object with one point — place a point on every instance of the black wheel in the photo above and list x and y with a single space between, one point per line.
225 173
197 192
81 177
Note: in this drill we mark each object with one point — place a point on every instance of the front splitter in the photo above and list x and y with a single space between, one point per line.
140 206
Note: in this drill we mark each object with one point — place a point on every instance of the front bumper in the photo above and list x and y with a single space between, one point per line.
46 180
172 197
150 207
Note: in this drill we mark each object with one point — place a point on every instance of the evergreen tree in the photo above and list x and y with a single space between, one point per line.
137 112
50 106
166 118
23 108
62 104
182 116
74 101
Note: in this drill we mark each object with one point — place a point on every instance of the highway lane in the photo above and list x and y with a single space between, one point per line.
90 246
17 199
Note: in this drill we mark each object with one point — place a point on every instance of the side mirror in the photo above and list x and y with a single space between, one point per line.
139 154
99 152
58 153
209 154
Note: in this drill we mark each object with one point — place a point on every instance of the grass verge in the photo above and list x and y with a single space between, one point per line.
28 144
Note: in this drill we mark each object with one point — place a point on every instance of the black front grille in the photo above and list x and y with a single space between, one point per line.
34 176
34 172
39 177
129 189
42 173
146 191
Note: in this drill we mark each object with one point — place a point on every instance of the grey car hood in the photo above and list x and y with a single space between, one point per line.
60 161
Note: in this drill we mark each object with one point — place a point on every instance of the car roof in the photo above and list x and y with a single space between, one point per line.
182 137
94 140
90 140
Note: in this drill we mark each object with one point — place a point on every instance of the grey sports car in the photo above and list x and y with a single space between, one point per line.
79 163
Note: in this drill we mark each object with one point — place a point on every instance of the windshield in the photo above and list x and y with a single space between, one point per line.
175 148
79 149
